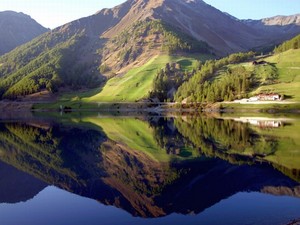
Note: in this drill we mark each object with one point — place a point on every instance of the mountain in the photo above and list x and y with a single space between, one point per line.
277 28
222 31
17 29
87 52
293 20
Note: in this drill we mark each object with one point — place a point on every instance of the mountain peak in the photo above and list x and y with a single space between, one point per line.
17 28
282 20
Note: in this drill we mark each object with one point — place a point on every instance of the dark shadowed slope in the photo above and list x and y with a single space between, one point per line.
17 29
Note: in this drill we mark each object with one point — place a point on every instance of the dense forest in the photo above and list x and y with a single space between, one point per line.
30 68
167 81
173 39
63 59
226 79
204 87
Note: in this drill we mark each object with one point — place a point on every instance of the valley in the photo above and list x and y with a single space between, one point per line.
150 112
138 52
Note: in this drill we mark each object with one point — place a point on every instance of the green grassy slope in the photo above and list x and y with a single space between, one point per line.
133 86
288 65
136 83
230 79
287 83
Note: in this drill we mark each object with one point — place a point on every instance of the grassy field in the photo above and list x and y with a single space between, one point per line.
137 83
130 87
288 65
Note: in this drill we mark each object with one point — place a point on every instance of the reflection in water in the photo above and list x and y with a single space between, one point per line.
153 166
238 142
17 186
263 122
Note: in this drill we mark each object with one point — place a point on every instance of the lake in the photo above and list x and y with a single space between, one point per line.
150 169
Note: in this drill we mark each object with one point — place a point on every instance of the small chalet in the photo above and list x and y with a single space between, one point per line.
268 97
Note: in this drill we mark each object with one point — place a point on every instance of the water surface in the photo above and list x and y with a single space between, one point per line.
150 170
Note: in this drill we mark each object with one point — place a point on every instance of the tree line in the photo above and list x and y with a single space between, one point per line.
290 44
167 81
204 86
224 138
44 65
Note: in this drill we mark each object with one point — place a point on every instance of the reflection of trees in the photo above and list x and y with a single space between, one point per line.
135 178
225 138
167 137
50 152
84 161
235 142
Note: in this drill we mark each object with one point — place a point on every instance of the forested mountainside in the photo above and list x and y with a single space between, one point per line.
90 51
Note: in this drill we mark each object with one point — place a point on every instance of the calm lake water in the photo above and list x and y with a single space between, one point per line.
110 170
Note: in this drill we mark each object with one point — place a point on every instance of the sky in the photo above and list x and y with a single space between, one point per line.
53 13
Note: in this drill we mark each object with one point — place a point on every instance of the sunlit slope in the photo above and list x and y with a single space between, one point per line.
288 65
137 83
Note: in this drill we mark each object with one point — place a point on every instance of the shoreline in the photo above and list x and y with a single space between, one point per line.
150 107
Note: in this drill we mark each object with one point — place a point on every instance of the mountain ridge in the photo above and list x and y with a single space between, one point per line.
279 20
17 29
88 51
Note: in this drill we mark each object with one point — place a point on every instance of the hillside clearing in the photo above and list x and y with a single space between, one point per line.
288 84
136 84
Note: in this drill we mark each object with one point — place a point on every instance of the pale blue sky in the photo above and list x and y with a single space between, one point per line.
53 13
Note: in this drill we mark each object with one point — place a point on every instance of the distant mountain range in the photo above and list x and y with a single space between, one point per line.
277 28
85 52
17 29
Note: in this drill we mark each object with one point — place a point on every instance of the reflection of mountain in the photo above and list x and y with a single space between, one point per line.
88 162
210 182
49 152
17 186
